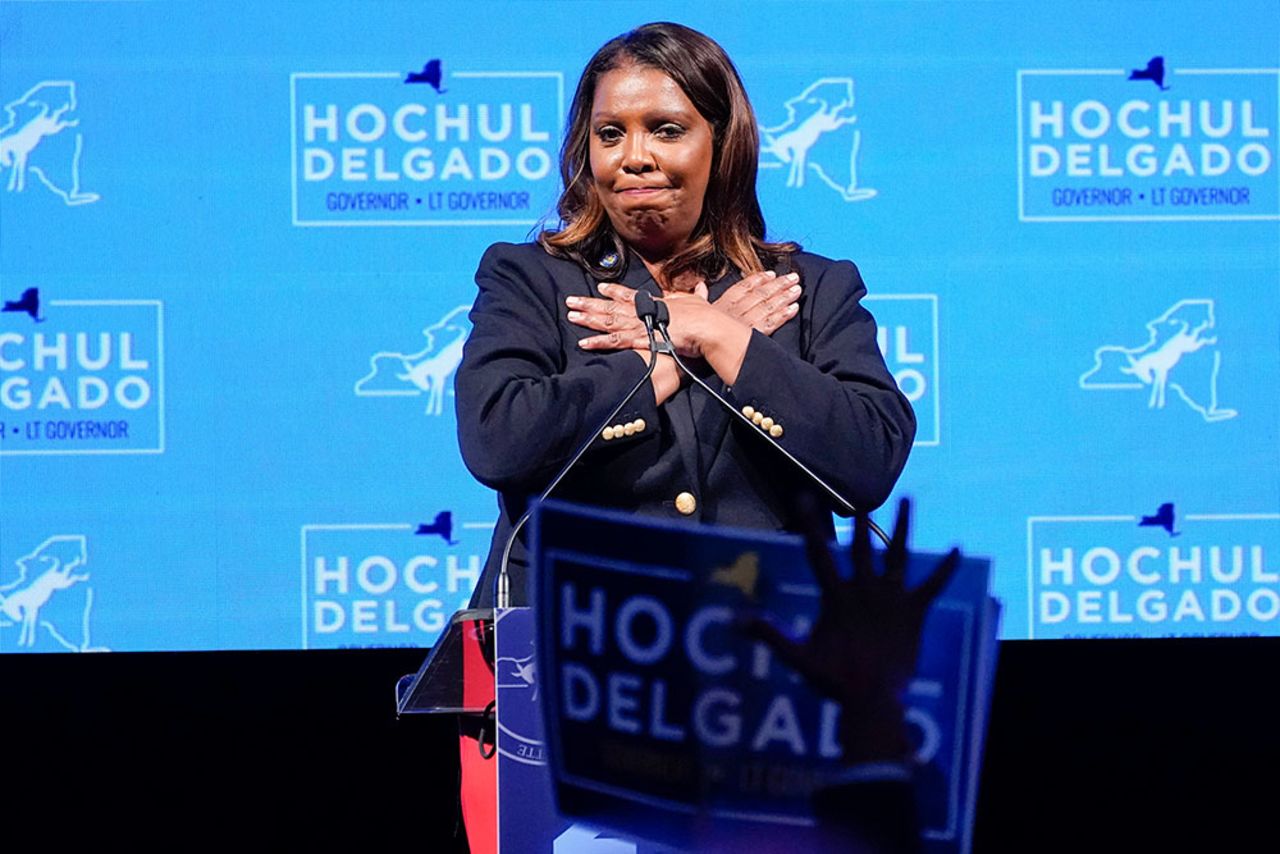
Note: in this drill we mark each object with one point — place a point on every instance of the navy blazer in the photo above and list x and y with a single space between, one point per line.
527 397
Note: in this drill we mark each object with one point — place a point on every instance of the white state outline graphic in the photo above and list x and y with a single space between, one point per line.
937 360
160 406
72 197
1211 414
436 394
87 645
295 76
851 193
1081 72
1133 520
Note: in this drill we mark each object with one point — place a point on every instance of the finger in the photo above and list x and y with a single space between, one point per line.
937 581
771 323
895 558
746 284
605 320
615 341
776 295
621 293
591 305
745 287
820 559
700 290
863 570
790 651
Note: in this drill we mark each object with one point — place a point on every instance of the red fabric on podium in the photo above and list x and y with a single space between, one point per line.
479 797
479 794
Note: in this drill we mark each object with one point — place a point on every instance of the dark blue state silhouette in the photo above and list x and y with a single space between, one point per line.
1153 72
28 303
443 526
432 74
1163 518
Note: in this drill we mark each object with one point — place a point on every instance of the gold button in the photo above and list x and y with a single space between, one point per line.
758 417
640 425
607 433
776 431
630 429
686 503
767 423
748 411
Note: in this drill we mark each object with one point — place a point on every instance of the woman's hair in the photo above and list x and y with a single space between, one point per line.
730 231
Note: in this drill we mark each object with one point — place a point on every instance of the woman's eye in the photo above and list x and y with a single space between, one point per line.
670 132
608 134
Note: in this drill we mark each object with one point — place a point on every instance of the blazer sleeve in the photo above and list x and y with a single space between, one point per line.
840 411
526 397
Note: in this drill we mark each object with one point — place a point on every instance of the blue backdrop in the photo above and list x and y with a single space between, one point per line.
236 248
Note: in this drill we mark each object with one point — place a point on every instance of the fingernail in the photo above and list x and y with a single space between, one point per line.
770 274
793 308
792 277
794 289
575 316
573 301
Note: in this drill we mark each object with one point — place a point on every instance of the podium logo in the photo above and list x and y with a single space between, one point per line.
48 599
1157 573
520 737
81 376
367 585
40 139
1150 141
817 143
907 334
428 147
428 371
1180 355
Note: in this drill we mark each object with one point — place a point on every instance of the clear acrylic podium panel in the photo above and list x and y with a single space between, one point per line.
440 687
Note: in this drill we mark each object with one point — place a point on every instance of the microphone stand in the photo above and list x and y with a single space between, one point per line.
646 310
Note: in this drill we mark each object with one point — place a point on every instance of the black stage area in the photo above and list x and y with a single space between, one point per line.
1093 746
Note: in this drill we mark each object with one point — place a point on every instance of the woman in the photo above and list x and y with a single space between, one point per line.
659 168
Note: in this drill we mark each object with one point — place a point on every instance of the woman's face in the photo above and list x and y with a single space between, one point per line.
650 155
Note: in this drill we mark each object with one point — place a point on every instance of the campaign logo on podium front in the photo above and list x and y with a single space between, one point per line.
424 372
1178 362
1156 139
81 376
41 143
818 142
907 334
387 584
1159 572
46 596
425 147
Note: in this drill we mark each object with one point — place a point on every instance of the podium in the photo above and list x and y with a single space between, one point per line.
633 716
482 670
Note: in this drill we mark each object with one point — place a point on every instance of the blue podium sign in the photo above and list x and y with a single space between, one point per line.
665 721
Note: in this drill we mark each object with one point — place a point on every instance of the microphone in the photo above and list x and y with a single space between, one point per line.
663 319
647 310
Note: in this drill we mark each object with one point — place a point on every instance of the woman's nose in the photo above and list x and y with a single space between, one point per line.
637 156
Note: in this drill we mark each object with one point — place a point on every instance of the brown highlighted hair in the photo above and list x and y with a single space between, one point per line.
731 231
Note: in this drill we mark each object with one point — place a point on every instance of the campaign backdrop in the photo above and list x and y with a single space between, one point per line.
237 243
